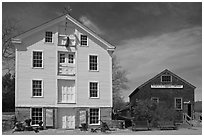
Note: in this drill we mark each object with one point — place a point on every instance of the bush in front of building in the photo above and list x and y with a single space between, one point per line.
153 112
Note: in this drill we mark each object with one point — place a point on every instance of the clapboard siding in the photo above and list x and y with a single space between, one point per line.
25 72
102 76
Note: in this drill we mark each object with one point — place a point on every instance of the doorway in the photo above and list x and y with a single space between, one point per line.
189 109
49 118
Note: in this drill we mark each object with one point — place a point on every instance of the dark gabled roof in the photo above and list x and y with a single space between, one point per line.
166 70
58 19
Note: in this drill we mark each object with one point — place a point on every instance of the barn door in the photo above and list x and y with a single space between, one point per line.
71 122
64 122
68 92
71 94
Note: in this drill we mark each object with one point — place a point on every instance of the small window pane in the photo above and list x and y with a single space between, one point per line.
70 58
166 78
36 115
37 59
93 63
93 89
37 88
155 99
62 58
48 36
94 116
83 40
178 102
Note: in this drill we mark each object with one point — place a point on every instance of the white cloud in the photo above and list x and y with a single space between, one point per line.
145 57
91 25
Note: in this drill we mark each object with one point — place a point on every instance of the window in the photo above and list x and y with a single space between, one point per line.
178 103
37 59
94 116
155 99
70 58
62 58
48 36
37 115
84 40
37 88
93 62
65 57
93 88
166 78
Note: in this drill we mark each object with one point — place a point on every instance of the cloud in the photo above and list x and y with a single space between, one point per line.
91 25
145 57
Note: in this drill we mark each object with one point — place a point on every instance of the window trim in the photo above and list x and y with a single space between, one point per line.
42 85
52 38
86 39
31 115
155 98
97 62
32 59
98 92
181 103
99 116
166 81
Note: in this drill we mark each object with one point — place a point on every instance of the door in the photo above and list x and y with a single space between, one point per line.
49 118
189 110
71 122
67 91
68 122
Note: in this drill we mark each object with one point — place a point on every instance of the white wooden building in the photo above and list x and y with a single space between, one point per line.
63 75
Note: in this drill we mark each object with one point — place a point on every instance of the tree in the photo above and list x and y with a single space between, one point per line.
119 84
9 30
144 110
8 93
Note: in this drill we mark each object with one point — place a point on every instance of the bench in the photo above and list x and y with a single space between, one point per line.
165 125
140 125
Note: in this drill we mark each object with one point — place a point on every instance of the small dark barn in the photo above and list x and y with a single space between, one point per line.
169 88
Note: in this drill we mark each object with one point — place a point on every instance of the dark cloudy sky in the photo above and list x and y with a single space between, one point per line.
149 37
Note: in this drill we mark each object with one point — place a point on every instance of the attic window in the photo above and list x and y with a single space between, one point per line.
165 78
84 40
48 36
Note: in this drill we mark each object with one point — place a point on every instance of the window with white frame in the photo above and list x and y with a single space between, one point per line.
71 58
84 40
94 115
155 99
37 88
48 36
93 89
36 115
93 62
178 103
37 59
166 78
66 58
62 58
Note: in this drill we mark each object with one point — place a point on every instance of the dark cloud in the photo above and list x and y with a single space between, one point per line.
149 37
